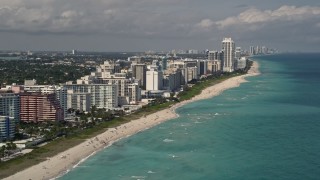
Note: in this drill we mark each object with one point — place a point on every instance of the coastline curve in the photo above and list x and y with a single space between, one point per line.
56 166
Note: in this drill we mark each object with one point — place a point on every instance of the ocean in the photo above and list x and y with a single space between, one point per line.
268 128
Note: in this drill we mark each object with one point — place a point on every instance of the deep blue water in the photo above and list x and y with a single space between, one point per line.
267 128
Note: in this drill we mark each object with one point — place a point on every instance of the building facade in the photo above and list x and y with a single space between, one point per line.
38 107
192 73
7 128
154 80
202 67
60 93
79 101
214 66
108 68
10 105
241 63
134 93
228 47
172 79
139 73
238 53
101 95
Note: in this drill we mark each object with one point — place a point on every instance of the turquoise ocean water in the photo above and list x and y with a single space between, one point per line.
267 128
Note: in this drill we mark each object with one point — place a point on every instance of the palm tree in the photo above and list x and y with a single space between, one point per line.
93 110
11 146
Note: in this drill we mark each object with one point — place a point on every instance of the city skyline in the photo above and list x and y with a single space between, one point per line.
141 25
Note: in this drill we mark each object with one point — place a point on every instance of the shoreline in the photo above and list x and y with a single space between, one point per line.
57 166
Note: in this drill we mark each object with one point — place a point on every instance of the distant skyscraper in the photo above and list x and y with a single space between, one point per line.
252 51
238 53
228 48
264 50
164 63
154 80
139 72
258 50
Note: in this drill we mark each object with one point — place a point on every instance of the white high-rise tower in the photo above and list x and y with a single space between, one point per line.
228 47
154 77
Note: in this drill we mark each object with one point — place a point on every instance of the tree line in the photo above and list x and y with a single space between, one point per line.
16 71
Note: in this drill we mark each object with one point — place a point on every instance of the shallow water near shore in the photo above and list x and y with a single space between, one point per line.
265 129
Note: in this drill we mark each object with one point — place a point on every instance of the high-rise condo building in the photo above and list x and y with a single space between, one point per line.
60 93
164 64
172 79
102 95
79 101
154 80
252 50
238 53
213 55
228 48
202 67
37 107
214 66
9 105
139 72
7 128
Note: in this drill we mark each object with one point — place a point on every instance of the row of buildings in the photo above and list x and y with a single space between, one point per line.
111 87
260 50
31 105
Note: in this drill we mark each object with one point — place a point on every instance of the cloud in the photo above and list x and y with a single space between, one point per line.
284 13
137 18
205 24
288 27
166 21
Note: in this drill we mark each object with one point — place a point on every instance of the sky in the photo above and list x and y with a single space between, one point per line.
159 25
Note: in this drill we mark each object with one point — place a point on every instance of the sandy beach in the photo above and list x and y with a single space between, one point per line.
65 161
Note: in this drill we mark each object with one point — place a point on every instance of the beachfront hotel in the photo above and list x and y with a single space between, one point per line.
60 92
79 101
228 47
101 95
39 107
154 80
